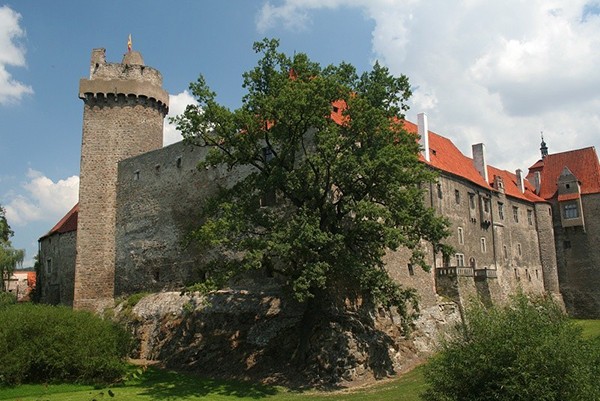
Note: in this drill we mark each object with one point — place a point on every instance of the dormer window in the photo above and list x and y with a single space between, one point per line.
571 211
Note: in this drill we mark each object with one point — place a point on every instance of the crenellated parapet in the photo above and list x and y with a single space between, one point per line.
127 83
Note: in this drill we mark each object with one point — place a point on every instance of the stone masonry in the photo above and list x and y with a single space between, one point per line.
124 108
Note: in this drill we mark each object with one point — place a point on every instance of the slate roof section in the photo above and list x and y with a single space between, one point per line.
583 163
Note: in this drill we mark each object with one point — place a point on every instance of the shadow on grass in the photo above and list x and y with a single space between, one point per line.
169 385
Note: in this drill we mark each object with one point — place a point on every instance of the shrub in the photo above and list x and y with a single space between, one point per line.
40 343
526 350
7 298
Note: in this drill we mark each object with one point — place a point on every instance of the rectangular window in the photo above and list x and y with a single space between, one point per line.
530 217
439 190
178 162
486 205
460 259
49 266
519 251
571 211
136 175
472 201
501 210
411 269
457 196
483 245
461 236
516 214
505 249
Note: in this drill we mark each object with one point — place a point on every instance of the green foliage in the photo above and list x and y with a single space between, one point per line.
527 350
7 298
10 258
340 191
40 343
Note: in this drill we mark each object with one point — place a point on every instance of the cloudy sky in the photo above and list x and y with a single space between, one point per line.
498 72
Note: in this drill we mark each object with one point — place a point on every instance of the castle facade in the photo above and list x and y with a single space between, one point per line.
138 202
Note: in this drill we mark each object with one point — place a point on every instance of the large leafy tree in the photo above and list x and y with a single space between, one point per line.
10 257
325 150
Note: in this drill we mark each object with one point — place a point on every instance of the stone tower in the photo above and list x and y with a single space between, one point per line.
124 109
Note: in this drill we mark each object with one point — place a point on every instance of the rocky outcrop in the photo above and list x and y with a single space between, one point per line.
264 336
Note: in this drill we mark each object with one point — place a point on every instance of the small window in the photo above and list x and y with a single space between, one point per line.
460 259
519 251
568 186
501 210
457 196
530 217
157 168
461 236
49 266
516 214
486 205
439 190
268 154
411 269
571 211
483 245
472 201
505 251
136 175
335 109
178 162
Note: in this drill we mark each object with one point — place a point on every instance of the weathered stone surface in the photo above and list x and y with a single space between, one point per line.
262 335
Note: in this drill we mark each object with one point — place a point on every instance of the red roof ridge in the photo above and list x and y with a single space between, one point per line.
67 224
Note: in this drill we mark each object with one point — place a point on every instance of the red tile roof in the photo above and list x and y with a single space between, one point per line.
67 224
583 163
445 156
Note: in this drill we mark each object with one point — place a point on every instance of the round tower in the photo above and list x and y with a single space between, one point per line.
123 113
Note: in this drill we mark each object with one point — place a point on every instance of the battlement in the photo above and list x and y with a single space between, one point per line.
129 80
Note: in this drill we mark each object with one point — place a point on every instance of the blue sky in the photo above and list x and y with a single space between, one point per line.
495 73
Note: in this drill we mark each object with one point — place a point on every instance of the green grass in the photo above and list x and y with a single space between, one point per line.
591 328
157 384
162 385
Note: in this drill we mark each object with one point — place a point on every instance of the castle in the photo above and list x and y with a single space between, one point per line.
137 202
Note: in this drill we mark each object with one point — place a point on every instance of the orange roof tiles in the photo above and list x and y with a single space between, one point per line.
583 163
445 156
568 197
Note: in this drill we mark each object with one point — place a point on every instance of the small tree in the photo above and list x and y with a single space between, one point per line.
326 150
10 258
526 350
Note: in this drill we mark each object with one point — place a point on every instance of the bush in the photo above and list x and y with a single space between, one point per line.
40 344
527 350
7 298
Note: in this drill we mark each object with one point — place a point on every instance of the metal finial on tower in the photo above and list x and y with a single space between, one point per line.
129 44
543 147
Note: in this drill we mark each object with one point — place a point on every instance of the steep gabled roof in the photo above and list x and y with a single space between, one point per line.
583 163
67 224
445 156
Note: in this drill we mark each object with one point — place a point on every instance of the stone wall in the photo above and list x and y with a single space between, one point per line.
57 268
158 202
123 117
579 260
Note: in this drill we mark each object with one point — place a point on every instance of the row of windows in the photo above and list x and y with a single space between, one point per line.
486 205
483 243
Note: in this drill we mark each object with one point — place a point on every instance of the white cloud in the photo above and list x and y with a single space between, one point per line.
493 72
11 54
177 105
43 199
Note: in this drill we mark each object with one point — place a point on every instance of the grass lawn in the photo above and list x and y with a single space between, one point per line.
157 384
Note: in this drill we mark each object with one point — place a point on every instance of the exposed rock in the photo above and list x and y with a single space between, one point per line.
262 336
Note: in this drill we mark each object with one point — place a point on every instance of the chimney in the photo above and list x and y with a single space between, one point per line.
520 180
479 160
423 131
537 182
